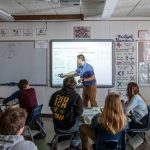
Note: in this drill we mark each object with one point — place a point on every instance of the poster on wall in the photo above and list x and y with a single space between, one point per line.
82 32
126 62
41 43
4 32
27 32
143 35
40 31
16 32
144 62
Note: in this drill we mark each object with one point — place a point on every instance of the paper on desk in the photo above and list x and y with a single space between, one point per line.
1 102
90 111
88 114
87 120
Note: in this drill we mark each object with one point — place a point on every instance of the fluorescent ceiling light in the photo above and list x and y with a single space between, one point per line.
5 16
109 8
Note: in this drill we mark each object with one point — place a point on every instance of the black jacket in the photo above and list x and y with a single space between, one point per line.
66 105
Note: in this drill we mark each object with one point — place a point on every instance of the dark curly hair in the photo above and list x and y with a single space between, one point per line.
69 82
81 56
22 84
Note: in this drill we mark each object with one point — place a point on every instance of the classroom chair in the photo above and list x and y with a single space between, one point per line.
140 133
60 137
34 119
110 145
107 141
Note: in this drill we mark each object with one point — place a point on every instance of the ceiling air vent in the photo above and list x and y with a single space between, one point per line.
70 2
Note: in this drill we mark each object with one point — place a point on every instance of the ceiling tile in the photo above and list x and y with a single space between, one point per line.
126 3
11 6
68 10
34 4
121 12
142 11
40 12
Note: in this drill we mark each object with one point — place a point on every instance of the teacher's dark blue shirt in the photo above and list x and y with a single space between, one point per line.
86 71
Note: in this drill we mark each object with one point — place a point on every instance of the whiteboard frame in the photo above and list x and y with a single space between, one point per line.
85 40
15 84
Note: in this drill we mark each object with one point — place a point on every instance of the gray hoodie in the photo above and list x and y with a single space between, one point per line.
15 142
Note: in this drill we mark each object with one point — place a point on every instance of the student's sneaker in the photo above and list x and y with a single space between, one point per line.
40 136
77 147
63 138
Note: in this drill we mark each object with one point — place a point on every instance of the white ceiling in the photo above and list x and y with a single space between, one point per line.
132 8
89 8
51 7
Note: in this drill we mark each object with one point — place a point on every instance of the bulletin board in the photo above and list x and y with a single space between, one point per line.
144 62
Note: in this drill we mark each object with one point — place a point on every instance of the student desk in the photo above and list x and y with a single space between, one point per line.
89 113
2 106
10 104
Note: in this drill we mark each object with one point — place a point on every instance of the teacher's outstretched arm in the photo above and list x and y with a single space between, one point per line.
70 74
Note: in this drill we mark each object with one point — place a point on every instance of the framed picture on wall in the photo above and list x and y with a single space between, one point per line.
40 31
4 32
16 32
81 32
27 32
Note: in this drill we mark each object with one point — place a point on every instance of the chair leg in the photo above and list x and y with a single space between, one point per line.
147 136
41 127
54 142
30 133
143 135
71 138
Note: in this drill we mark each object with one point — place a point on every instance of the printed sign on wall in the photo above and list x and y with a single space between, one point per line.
126 62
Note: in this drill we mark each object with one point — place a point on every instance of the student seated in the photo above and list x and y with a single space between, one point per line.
136 107
107 125
66 106
26 96
12 122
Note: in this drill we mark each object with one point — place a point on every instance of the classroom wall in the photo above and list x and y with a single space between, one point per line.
64 30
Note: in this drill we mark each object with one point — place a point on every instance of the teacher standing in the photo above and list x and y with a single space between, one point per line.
87 78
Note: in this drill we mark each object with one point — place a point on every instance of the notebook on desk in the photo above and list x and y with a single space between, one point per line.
1 102
89 113
12 104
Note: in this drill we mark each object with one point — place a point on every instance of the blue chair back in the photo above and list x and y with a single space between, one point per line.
148 123
35 114
108 141
111 144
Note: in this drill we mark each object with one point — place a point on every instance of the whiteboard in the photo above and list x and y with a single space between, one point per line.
99 53
20 60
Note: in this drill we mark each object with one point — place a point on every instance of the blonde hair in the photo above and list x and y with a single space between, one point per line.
112 119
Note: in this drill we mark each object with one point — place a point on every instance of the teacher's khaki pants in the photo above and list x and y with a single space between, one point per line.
89 94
